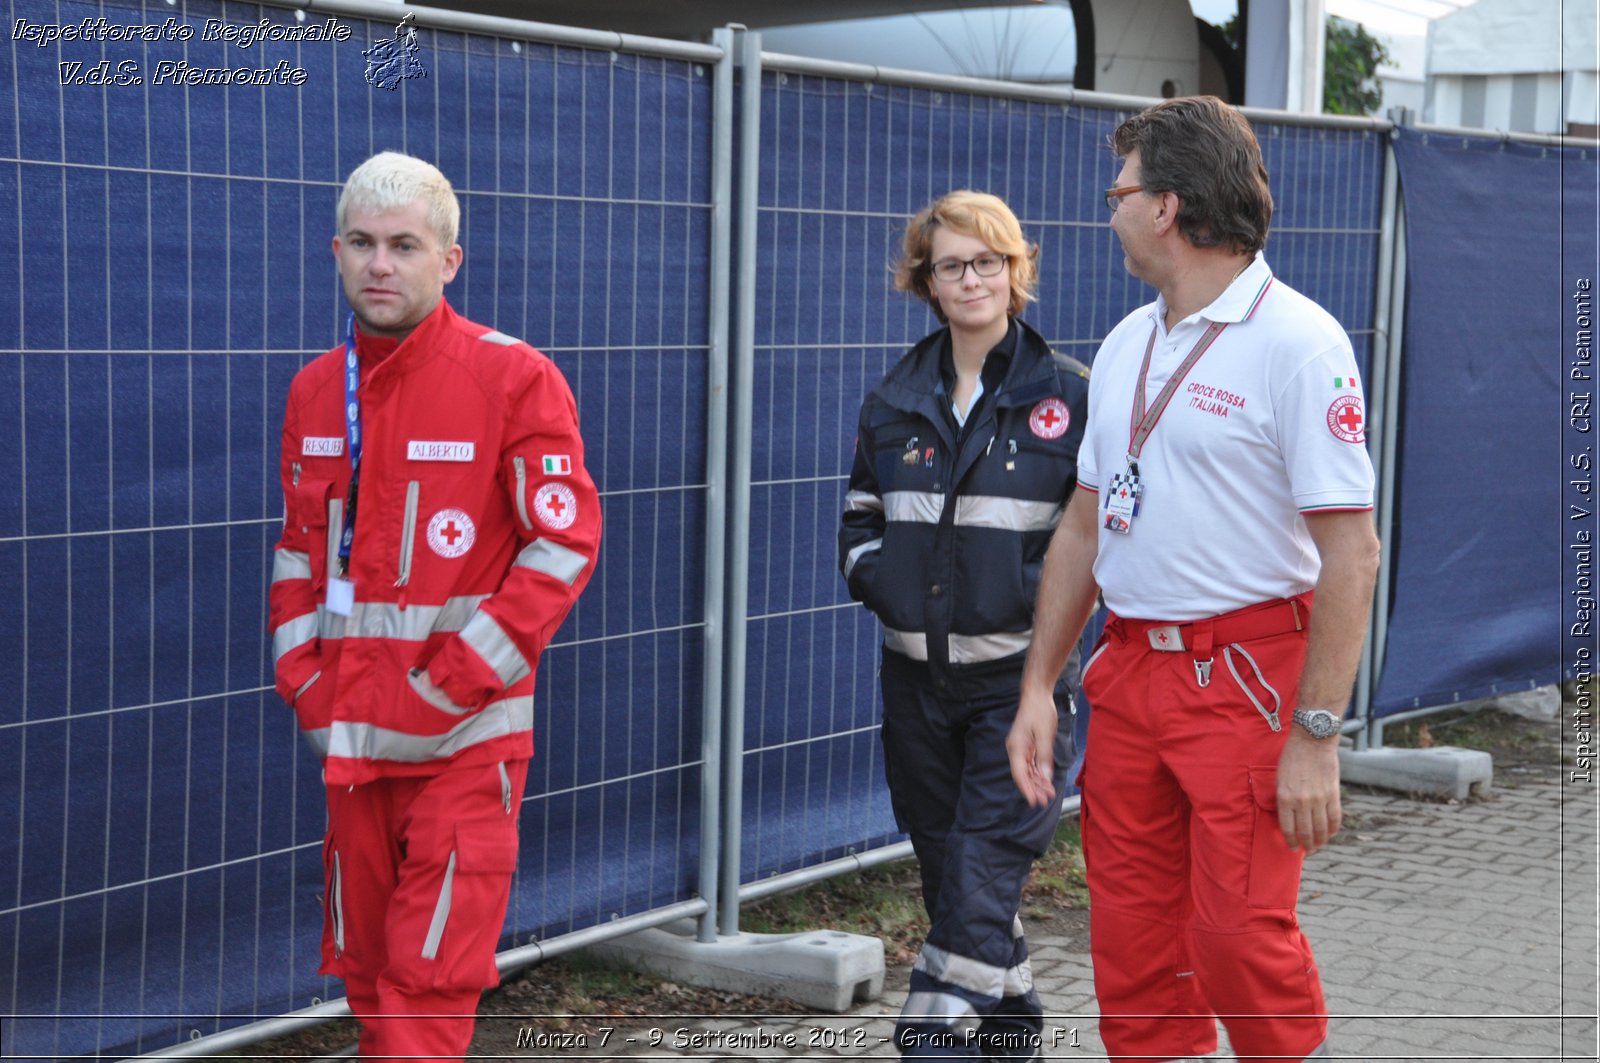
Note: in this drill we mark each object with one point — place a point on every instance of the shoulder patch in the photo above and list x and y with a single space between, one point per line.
501 338
1067 364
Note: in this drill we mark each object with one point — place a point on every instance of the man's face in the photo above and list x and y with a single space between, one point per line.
1131 220
393 268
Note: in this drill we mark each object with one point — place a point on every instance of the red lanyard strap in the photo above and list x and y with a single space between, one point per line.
1142 421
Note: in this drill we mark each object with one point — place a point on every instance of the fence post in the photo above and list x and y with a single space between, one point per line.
716 479
741 419
1384 381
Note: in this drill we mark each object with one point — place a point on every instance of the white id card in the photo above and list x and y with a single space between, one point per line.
341 596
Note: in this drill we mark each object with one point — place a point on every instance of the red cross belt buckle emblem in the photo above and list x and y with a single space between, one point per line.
555 506
1347 420
1049 419
451 533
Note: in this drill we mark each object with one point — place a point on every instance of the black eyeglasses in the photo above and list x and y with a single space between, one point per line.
953 269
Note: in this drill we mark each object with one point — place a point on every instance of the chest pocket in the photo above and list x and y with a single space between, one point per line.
906 456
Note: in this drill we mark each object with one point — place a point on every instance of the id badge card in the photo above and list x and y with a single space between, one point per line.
1122 501
341 596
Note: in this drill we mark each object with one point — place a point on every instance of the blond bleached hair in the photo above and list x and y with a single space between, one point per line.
389 181
968 213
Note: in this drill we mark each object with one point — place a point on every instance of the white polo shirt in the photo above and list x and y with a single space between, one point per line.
1268 425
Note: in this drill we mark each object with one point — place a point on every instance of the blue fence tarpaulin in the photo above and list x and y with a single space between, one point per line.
1473 609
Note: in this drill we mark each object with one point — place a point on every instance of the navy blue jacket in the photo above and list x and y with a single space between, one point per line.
945 530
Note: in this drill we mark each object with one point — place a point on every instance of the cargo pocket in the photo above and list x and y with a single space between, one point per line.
471 906
1274 867
332 908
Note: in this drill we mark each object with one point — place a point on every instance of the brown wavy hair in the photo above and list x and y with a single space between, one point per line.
1204 152
968 213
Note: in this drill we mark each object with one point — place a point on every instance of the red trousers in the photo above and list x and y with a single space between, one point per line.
1192 887
418 876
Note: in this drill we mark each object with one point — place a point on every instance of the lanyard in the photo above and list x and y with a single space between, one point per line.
352 426
1143 420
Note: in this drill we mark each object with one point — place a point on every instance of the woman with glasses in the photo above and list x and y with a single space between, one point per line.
965 457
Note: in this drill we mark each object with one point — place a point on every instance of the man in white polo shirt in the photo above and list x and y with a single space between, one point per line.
1223 484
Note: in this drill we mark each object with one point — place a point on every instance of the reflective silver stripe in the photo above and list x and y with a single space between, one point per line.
961 971
522 491
338 904
492 643
1019 979
964 649
423 685
1010 514
318 738
499 337
946 1008
368 742
292 634
505 786
335 531
307 684
913 644
914 507
290 564
441 911
862 501
553 559
414 623
855 555
971 649
408 532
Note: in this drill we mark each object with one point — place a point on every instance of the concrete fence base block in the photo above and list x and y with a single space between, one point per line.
1443 770
827 970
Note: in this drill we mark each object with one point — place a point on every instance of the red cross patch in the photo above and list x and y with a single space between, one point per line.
1347 420
451 533
1049 419
555 505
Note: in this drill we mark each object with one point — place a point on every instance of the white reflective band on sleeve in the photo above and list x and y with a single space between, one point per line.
368 742
1008 514
441 911
492 643
862 502
318 738
944 1008
553 559
292 634
290 564
973 649
913 507
913 644
855 555
1019 979
961 971
499 337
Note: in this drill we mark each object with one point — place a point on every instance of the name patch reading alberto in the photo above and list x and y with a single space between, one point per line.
439 450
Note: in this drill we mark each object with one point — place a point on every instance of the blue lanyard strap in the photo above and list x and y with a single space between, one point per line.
352 424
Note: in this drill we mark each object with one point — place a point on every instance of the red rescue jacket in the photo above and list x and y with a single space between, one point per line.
476 528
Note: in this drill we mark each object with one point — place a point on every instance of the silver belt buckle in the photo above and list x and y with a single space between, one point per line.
1166 638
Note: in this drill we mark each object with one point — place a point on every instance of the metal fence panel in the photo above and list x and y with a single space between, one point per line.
172 273
843 165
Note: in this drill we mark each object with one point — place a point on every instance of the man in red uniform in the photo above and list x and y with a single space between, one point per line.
438 526
1223 478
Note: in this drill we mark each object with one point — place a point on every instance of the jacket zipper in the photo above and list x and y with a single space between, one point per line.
294 467
335 533
505 787
522 491
408 535
338 907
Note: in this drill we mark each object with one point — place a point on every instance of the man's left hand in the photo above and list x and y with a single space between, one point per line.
1308 791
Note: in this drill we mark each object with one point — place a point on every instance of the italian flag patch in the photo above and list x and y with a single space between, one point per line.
1344 382
557 465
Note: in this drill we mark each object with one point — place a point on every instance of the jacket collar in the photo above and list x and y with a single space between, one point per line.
918 378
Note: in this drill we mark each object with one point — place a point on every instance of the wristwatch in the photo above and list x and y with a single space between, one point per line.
1318 723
